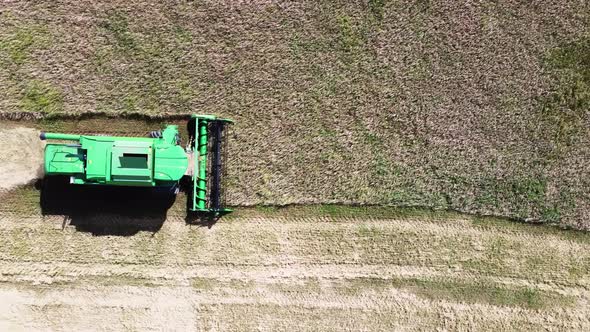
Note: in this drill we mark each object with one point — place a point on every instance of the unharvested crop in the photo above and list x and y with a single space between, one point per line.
477 107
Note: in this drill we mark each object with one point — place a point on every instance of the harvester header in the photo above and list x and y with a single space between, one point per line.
157 161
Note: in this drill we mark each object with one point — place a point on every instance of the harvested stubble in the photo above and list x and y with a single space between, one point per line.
279 270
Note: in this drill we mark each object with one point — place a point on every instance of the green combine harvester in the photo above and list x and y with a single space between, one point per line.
157 161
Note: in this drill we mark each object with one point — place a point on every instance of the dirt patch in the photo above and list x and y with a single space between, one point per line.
21 157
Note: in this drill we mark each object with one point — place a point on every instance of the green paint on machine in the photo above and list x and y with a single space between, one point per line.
125 161
157 161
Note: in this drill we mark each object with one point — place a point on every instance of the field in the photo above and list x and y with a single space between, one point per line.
481 108
279 268
297 268
395 165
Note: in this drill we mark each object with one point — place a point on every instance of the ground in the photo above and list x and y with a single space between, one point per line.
301 268
108 266
339 106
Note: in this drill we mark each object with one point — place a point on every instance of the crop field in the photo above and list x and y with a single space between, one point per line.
475 107
409 165
270 268
297 268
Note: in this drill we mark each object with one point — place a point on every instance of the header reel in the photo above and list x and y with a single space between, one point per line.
207 144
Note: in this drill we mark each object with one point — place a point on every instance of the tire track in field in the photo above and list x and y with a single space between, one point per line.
273 273
183 301
75 273
455 245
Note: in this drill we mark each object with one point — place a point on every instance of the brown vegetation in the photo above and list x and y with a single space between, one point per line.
477 107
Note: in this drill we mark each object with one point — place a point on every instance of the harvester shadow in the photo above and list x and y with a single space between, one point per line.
201 219
105 210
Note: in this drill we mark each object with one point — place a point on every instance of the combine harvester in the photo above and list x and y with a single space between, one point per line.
158 161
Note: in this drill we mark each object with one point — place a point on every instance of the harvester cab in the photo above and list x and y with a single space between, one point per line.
155 161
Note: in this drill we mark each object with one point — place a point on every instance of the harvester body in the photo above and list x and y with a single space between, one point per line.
156 161
124 161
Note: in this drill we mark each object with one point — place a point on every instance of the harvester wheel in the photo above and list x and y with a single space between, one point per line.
191 126
155 134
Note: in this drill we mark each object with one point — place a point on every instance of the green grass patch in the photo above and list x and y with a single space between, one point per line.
67 282
350 36
551 214
39 96
527 194
117 26
564 108
265 209
537 229
203 283
572 63
436 290
22 40
340 211
23 200
377 8
455 291
391 212
368 231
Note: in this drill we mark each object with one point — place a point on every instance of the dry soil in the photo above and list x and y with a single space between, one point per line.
21 156
282 272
